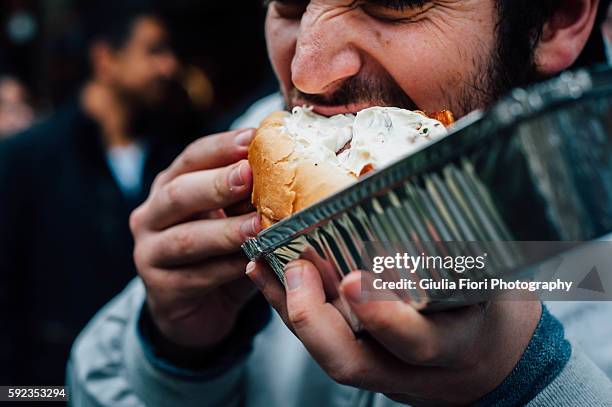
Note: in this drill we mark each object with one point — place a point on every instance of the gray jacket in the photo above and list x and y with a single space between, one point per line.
109 368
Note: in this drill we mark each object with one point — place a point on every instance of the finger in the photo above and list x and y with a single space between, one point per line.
325 334
270 286
328 337
209 152
192 193
196 241
405 332
192 281
318 324
240 208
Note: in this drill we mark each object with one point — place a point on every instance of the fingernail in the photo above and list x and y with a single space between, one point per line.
352 292
293 276
236 178
243 139
251 226
257 279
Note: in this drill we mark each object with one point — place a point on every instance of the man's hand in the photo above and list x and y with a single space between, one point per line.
187 243
444 358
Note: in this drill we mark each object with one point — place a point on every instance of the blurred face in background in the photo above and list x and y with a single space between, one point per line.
143 68
16 113
344 55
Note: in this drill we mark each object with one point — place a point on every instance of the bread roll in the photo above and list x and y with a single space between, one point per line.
300 158
285 181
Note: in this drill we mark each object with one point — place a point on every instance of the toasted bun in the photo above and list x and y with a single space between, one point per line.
284 181
293 171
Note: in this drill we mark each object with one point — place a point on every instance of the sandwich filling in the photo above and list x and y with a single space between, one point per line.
371 139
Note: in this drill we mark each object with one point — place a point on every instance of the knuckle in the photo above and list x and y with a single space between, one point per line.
158 281
299 318
140 257
225 143
221 188
222 140
152 252
135 220
184 244
138 218
345 373
159 179
217 141
233 234
189 156
174 194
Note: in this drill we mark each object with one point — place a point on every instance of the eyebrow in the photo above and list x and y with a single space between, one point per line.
385 3
399 3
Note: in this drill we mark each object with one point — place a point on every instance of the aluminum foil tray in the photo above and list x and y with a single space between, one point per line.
536 167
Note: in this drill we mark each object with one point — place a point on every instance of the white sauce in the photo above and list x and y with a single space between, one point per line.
378 135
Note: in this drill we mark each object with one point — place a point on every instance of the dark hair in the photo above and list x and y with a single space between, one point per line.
112 21
519 31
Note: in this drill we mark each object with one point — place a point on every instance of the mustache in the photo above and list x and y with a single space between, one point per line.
382 91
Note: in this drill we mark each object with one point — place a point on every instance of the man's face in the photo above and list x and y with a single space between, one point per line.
145 65
344 55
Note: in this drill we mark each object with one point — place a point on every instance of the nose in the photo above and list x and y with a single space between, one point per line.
325 53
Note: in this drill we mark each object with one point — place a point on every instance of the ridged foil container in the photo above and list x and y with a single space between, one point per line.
536 167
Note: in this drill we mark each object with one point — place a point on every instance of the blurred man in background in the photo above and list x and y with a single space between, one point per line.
16 113
69 184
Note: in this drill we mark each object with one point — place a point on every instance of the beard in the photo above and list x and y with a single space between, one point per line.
379 90
492 74
507 67
152 96
154 109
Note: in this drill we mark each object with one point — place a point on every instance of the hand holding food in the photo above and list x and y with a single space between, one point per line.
187 244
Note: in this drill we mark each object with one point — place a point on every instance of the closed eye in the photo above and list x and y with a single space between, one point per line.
396 10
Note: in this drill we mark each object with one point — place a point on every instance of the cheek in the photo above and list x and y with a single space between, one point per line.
435 63
432 78
281 37
140 71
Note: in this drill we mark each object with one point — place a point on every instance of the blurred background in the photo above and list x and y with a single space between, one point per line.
43 55
96 98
